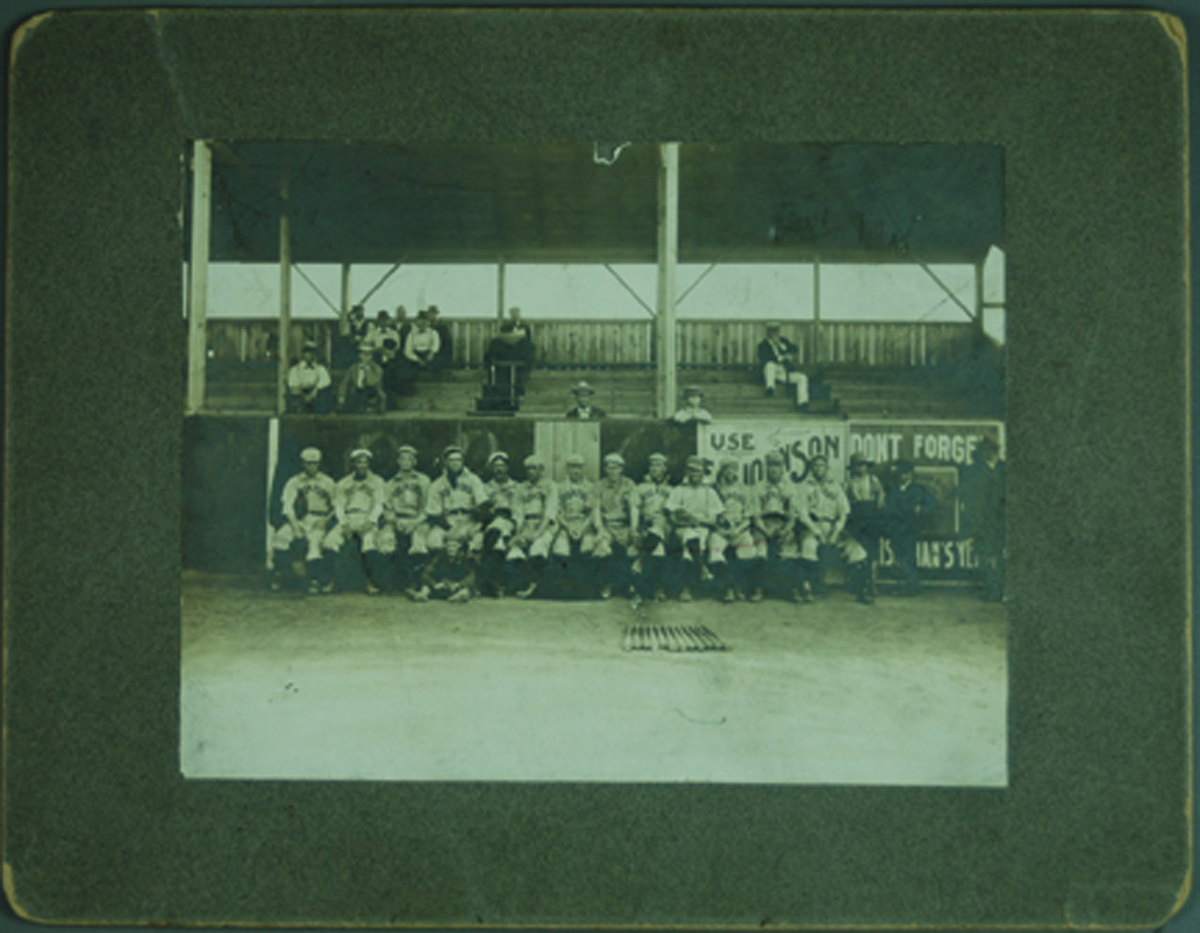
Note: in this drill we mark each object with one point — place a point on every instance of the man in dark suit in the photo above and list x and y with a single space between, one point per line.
583 404
779 358
981 493
905 510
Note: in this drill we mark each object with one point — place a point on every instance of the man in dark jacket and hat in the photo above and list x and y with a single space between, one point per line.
905 510
981 494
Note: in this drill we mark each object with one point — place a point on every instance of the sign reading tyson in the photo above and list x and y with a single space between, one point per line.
939 450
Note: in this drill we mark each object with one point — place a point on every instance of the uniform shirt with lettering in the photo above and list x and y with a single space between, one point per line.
652 498
737 503
701 502
405 495
576 501
775 499
823 500
464 493
503 496
618 501
359 496
315 493
538 500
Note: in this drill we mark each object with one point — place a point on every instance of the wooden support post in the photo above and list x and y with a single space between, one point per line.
668 256
817 309
979 295
500 272
198 274
285 301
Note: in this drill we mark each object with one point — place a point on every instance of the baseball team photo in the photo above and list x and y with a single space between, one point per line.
595 462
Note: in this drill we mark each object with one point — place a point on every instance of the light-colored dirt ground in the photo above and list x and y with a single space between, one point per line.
909 691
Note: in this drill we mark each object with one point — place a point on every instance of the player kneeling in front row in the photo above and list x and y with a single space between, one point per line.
358 504
734 549
307 511
693 508
574 544
823 510
449 576
401 538
615 549
529 546
501 515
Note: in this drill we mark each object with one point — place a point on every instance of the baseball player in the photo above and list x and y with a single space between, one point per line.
865 494
574 543
823 512
307 511
401 538
615 548
358 504
452 507
693 507
734 537
653 529
529 546
774 521
502 516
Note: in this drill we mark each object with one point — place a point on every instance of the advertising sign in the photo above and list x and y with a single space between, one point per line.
749 441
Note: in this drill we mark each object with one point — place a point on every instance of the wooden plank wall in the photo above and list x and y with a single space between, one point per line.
631 343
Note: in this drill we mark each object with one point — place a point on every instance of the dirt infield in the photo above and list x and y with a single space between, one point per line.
908 691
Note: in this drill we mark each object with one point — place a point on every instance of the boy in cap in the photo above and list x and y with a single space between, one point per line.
452 507
502 515
733 537
775 502
529 547
308 384
779 358
357 504
652 529
578 526
693 507
307 510
823 512
905 509
692 409
982 493
617 506
584 409
401 539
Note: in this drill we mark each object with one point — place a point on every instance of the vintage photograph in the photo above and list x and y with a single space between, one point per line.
605 462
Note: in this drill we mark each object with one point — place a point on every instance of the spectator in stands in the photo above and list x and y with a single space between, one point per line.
584 409
382 329
403 325
906 506
396 372
422 347
509 357
692 409
352 331
362 386
779 358
520 327
982 494
309 384
444 358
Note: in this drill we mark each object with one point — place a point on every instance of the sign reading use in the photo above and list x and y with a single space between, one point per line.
748 442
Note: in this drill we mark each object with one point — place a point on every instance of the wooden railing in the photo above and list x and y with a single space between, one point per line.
595 343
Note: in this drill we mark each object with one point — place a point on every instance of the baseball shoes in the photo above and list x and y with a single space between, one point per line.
606 592
757 595
685 595
807 592
372 589
461 596
796 597
314 587
730 595
327 588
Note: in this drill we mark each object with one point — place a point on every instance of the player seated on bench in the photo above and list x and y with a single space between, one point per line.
500 517
653 530
734 550
617 508
574 543
403 531
452 507
823 510
774 522
350 544
529 546
693 507
307 511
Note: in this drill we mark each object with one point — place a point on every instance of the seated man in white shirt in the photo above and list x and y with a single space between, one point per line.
309 384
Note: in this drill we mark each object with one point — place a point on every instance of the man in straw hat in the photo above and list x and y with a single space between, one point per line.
584 409
307 510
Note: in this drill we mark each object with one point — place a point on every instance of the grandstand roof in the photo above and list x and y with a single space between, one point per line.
744 202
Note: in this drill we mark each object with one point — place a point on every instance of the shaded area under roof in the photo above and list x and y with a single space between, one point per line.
744 202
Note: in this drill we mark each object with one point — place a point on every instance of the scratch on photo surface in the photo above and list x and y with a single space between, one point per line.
701 722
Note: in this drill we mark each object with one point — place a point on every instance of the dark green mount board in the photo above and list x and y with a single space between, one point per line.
1092 830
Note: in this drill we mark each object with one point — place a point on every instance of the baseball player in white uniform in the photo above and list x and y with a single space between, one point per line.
358 505
307 511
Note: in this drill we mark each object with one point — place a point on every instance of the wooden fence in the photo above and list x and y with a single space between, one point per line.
594 343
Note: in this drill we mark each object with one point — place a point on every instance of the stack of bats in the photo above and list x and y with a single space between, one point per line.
671 638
